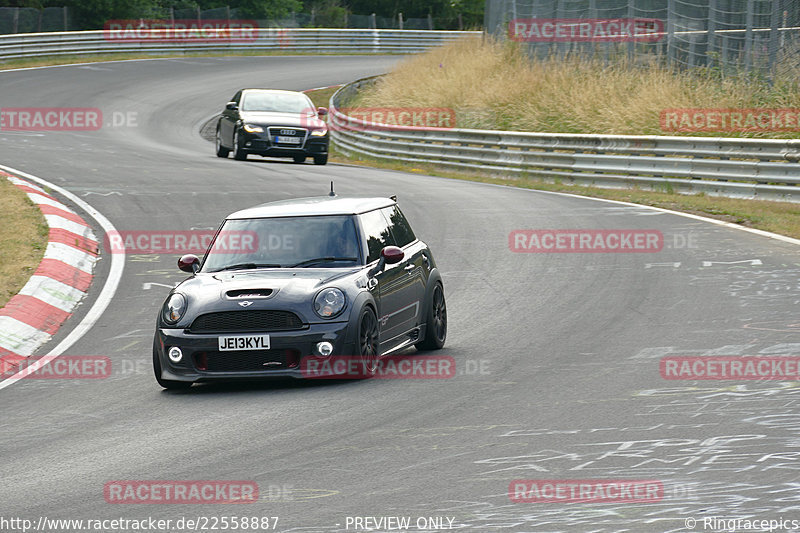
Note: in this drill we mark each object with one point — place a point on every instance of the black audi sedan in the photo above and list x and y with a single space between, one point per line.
272 123
307 278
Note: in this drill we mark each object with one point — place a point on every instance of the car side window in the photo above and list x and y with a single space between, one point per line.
376 230
399 226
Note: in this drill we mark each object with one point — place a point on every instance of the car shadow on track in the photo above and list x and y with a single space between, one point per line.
288 384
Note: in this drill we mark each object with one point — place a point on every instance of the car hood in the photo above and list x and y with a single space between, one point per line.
281 119
291 289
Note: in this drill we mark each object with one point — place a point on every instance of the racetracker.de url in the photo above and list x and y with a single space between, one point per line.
44 524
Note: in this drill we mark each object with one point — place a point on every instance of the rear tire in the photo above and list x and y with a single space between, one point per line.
435 322
321 159
221 150
238 152
166 383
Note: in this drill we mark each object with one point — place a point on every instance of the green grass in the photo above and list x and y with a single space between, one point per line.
97 58
778 217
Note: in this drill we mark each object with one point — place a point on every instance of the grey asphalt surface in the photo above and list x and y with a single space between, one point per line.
557 354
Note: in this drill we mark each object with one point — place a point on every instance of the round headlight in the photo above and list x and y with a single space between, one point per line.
174 308
329 302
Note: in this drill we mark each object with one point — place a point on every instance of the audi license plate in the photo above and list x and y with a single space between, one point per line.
288 140
243 342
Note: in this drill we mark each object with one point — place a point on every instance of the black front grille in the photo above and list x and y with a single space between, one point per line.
299 133
235 321
247 361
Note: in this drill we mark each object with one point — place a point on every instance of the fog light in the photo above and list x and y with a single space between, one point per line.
175 354
324 348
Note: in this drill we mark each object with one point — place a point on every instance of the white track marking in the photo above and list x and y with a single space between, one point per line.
103 299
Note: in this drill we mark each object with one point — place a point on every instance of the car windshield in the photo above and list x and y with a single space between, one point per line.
276 102
285 242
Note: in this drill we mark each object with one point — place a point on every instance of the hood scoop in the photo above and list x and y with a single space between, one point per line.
249 293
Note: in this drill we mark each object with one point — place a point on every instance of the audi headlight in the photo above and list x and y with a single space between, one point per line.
329 302
174 308
252 128
320 132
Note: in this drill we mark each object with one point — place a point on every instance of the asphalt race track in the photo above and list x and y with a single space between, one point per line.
557 353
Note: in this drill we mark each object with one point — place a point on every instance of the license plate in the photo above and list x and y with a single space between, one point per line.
243 342
288 140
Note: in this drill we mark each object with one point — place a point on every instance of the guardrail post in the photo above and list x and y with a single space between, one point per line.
430 21
15 21
373 23
66 27
400 20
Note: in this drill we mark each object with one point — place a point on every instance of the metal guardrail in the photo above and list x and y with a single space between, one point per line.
767 169
270 39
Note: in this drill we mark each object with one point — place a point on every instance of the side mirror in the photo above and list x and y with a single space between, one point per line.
189 263
322 111
392 255
231 106
389 256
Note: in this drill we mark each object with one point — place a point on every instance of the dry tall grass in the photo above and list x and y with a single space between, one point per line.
497 86
23 238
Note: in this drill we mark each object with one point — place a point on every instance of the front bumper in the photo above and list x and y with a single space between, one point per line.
202 360
262 144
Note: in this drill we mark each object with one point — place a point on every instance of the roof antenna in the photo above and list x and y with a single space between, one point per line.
332 193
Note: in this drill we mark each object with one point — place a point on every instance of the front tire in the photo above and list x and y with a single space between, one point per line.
299 159
321 159
435 322
166 383
221 150
368 340
239 153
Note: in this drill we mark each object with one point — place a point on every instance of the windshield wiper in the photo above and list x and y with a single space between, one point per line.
247 266
323 259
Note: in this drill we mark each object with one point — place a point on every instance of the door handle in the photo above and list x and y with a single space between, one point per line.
409 267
